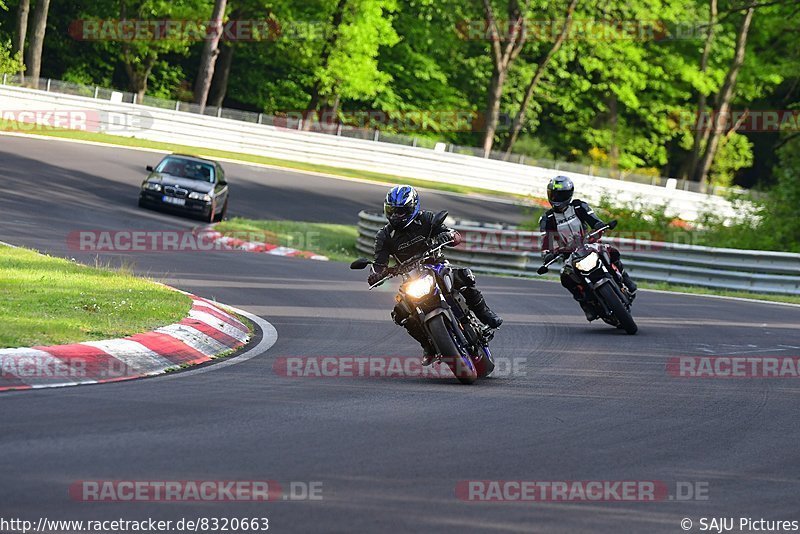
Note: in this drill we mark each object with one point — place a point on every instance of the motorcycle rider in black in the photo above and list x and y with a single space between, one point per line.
566 223
408 233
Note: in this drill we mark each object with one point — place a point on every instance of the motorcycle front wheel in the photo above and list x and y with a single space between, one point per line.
623 315
457 360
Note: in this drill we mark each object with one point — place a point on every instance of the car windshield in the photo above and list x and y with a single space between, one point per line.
187 168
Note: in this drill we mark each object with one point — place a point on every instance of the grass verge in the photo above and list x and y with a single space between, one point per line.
336 241
98 137
51 301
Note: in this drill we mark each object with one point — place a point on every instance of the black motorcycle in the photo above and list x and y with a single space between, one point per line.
593 270
428 293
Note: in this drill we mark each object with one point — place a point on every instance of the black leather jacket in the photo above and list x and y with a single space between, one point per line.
407 242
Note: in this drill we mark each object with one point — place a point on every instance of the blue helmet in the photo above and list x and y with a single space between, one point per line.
401 206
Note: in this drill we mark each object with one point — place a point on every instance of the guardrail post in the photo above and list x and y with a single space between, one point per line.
300 123
377 135
339 129
96 92
260 115
133 101
414 142
5 76
48 84
177 105
219 112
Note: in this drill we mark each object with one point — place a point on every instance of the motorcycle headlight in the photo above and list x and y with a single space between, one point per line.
420 287
199 196
588 263
152 186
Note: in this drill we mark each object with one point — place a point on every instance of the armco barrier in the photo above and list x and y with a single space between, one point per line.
158 124
721 268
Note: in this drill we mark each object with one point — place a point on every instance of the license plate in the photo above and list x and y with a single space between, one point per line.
174 201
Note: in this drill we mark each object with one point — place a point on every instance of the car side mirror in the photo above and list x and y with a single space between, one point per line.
542 270
150 168
439 218
360 263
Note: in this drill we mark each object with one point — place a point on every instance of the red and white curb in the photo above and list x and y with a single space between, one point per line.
208 332
257 246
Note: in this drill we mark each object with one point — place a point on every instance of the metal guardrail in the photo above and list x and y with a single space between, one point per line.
514 252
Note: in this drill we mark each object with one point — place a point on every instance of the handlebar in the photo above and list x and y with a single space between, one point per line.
410 264
556 254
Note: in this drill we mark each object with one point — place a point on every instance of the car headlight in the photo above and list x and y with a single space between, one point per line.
420 287
588 263
200 196
151 186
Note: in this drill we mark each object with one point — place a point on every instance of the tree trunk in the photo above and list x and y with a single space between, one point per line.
34 60
502 58
725 97
613 123
138 77
209 58
327 50
22 29
222 73
519 119
493 108
701 134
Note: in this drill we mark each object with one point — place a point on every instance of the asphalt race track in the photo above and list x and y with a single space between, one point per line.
588 402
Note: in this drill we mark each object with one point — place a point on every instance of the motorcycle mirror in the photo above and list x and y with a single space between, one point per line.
439 218
542 270
612 224
360 263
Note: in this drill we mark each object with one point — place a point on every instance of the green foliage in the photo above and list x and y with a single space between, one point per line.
735 152
613 96
10 63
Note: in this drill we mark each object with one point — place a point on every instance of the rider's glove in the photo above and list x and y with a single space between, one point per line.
377 276
546 254
443 239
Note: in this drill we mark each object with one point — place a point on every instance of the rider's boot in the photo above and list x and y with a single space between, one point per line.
589 310
483 312
428 350
580 298
630 284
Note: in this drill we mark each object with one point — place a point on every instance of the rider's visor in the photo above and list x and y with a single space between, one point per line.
559 195
398 213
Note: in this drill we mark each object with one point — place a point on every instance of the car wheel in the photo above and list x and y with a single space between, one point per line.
223 213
